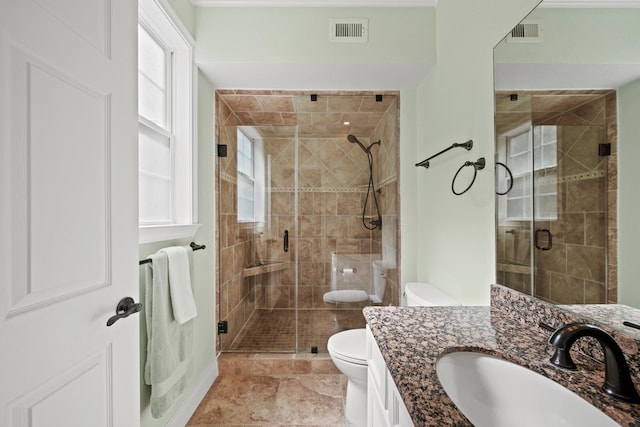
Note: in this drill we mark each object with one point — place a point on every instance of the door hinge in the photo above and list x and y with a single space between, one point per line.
223 327
604 149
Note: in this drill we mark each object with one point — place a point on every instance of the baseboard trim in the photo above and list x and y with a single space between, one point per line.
191 402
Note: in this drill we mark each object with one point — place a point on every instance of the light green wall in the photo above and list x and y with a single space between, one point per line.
628 197
455 241
408 190
579 36
186 12
285 34
204 355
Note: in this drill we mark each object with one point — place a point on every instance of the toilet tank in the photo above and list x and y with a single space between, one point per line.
426 294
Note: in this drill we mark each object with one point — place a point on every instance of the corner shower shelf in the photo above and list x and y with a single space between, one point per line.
264 267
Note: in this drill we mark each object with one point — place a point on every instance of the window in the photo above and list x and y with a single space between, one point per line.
523 150
166 145
155 131
251 175
246 181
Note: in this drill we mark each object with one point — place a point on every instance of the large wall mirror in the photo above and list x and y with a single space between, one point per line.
567 100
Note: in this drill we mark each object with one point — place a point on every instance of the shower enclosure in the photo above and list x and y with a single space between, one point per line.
553 194
293 190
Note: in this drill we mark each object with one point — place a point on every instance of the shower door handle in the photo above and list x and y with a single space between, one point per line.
286 240
543 235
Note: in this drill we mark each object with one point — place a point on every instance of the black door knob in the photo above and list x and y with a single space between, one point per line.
126 307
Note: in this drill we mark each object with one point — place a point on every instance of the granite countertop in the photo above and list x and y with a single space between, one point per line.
412 339
611 314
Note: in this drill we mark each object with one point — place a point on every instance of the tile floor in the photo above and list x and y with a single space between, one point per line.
275 330
274 390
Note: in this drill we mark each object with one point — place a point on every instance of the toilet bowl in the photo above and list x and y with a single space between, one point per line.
348 352
426 294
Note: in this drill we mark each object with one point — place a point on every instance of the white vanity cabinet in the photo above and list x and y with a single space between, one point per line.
385 407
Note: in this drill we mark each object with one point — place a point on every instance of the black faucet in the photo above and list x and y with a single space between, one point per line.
617 379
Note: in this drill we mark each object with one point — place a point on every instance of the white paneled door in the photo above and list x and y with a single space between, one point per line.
68 213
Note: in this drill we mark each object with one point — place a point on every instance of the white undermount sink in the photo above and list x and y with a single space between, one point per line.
492 392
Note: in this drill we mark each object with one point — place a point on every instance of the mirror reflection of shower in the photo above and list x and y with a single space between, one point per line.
375 224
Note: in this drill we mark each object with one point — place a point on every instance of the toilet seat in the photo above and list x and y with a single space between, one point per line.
349 345
345 295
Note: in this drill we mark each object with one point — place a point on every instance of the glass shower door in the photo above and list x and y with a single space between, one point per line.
570 220
257 238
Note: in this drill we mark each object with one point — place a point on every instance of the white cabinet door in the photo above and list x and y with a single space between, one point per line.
377 386
68 213
385 407
398 413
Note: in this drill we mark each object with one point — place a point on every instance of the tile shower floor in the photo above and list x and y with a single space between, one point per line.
274 330
273 390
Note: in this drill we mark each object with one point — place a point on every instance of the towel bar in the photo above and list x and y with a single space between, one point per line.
466 145
194 246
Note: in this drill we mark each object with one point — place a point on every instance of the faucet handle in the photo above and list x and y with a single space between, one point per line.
562 345
562 358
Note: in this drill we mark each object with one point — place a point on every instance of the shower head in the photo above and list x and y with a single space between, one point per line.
354 140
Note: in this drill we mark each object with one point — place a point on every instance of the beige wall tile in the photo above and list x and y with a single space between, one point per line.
586 262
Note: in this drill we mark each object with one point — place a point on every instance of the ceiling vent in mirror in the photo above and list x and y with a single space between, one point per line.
526 32
349 30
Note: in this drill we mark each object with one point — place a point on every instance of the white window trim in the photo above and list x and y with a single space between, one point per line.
155 14
258 177
502 153
249 133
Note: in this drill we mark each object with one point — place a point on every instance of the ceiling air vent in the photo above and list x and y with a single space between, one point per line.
349 30
526 32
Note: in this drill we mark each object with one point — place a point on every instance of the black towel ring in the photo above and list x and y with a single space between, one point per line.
510 178
477 165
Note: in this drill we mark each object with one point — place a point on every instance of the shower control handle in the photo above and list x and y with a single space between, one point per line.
286 240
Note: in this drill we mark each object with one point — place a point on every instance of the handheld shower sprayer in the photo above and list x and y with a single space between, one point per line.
376 223
355 140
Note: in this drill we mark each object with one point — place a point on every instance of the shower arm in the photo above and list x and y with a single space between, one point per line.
468 145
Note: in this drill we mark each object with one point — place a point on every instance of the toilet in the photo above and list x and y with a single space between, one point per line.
348 352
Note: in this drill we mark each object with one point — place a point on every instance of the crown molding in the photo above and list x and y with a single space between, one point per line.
605 4
315 3
401 3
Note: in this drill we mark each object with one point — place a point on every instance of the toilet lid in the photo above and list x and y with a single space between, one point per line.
349 345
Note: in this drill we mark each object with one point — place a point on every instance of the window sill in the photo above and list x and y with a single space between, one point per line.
159 233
